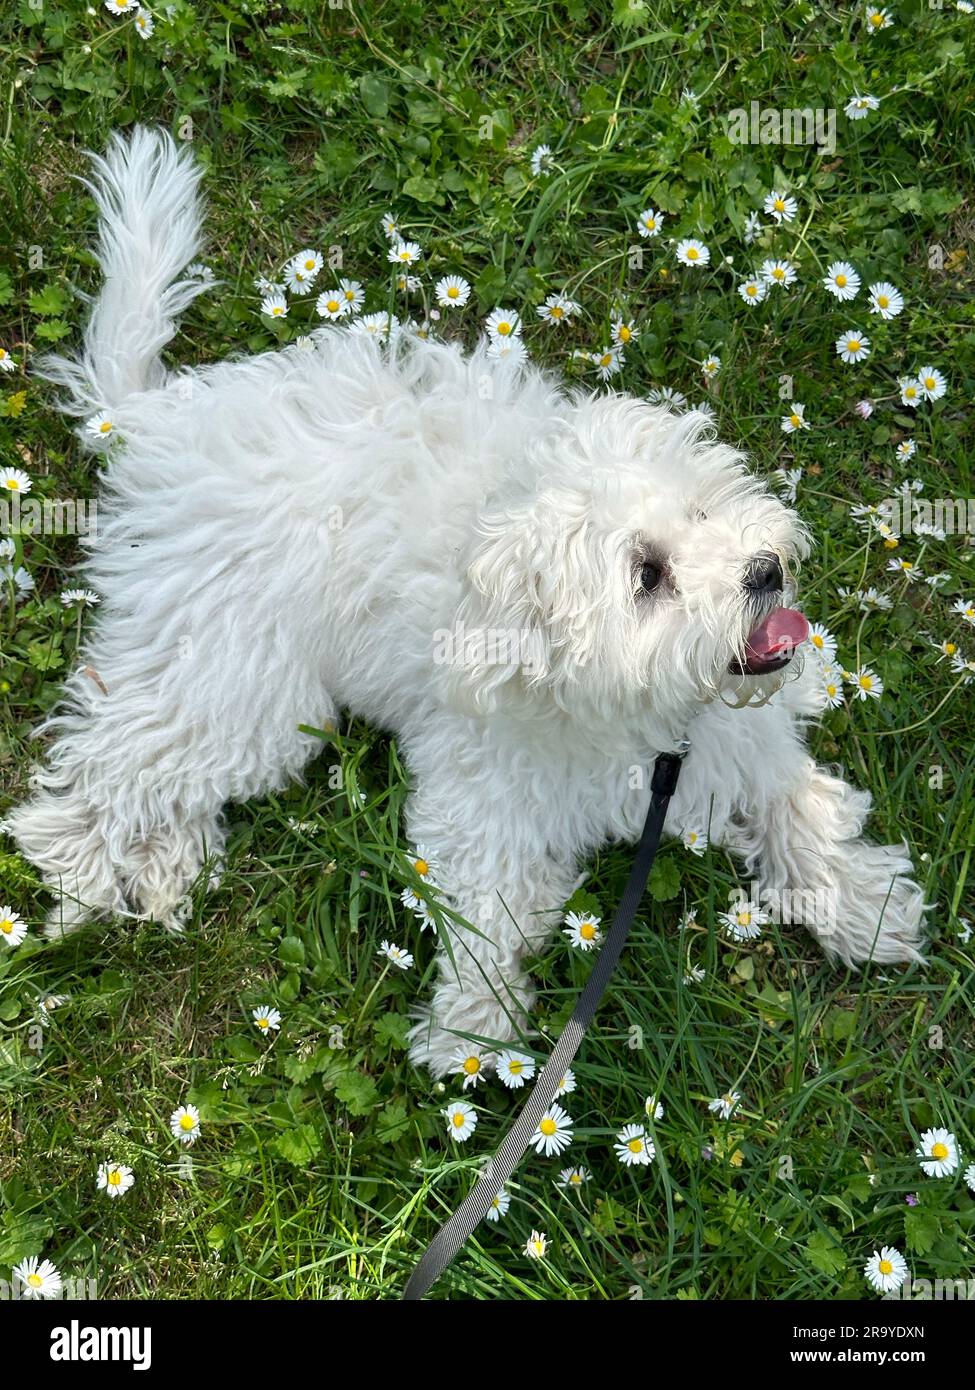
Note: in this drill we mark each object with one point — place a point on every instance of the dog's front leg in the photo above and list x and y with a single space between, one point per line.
800 832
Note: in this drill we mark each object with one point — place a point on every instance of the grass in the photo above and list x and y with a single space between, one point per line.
323 1168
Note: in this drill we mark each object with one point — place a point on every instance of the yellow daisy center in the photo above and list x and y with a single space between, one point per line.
606 359
35 1281
779 205
751 290
650 223
876 19
587 931
744 919
778 273
929 382
472 1065
262 1023
556 313
422 867
624 333
452 292
516 1067
575 1178
457 1119
504 329
886 1267
882 301
939 1150
277 311
692 253
332 305
548 1126
831 690
853 345
949 650
309 265
13 485
635 1146
795 420
114 1178
6 926
840 282
816 640
186 1122
865 682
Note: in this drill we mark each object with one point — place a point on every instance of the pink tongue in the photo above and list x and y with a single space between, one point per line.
781 631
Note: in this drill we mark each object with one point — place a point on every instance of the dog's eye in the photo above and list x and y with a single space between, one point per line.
649 576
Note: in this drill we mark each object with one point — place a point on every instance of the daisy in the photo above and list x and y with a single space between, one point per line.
969 1176
144 24
536 1245
404 253
795 420
711 366
853 346
666 395
885 1270
395 955
945 649
842 280
408 284
965 608
833 695
906 449
623 332
744 923
567 1084
40 1278
582 929
911 393
554 1132
868 685
7 363
877 20
964 667
13 928
309 262
452 292
932 383
654 1107
265 1018
781 207
541 160
753 291
633 1148
608 361
885 300
118 7
650 222
461 1120
781 273
508 349
353 294
938 1153
499 1206
905 567
185 1124
332 304
503 323
723 1106
23 581
858 107
557 309
424 864
753 226
83 598
514 1069
275 306
297 280
695 975
573 1177
469 1065
822 641
692 252
114 1179
390 225
15 480
695 840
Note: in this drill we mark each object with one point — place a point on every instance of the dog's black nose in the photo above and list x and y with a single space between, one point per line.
764 574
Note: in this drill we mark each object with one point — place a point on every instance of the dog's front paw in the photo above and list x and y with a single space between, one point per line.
877 910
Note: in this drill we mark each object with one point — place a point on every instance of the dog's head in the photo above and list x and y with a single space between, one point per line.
634 564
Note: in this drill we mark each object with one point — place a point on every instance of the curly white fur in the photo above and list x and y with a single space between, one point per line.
345 526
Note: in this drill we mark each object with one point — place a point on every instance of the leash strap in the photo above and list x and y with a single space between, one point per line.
472 1210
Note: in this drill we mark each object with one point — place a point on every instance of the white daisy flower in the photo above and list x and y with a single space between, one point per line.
796 420
965 608
275 306
906 449
877 19
833 695
557 309
114 1179
404 253
536 1245
695 975
781 273
842 280
938 1153
499 1206
753 291
822 641
15 480
745 922
267 1019
969 1177
963 666
332 304
78 598
932 383
297 280
723 1106
120 7
885 300
395 955
185 1124
654 1107
554 1132
911 393
634 1148
608 361
695 839
859 107
753 228
573 1177
582 929
867 684
144 24
692 252
649 223
781 207
711 366
666 395
469 1063
905 567
507 349
408 284
541 160
623 332
13 928
885 1270
452 292
461 1120
7 363
39 1278
353 294
789 479
390 225
853 346
567 1084
503 323
514 1069
309 262
100 428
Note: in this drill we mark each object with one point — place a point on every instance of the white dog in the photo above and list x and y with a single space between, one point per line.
535 591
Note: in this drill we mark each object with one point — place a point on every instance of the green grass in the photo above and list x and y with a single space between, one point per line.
323 1167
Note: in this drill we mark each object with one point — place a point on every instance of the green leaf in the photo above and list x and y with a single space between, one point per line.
22 1236
392 1029
921 1230
825 1252
49 302
393 1122
374 92
299 1145
664 882
357 1091
292 951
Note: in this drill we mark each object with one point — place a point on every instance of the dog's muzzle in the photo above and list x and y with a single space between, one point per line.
772 644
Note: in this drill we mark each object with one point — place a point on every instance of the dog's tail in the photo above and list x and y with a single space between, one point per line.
149 230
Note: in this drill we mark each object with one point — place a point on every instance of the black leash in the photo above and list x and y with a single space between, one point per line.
472 1210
